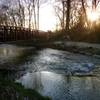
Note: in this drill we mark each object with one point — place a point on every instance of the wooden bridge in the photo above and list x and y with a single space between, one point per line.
12 33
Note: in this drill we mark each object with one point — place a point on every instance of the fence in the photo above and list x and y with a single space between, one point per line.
12 33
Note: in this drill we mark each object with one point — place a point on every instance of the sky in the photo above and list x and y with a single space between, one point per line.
47 18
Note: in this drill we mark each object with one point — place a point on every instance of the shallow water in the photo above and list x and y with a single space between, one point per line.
60 87
62 62
55 73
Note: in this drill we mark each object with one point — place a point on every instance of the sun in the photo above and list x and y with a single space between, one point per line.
47 19
92 16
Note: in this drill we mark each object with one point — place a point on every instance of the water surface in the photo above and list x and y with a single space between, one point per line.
58 74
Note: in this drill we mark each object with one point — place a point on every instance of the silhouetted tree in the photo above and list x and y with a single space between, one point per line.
68 14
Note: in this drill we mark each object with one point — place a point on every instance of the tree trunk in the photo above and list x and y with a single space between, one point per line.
68 2
38 6
63 26
84 13
34 16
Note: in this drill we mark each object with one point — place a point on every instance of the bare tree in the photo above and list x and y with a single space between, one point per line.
34 10
21 14
84 12
68 14
59 13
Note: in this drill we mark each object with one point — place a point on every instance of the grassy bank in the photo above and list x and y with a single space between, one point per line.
14 91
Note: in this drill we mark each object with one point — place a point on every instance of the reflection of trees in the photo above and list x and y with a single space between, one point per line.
68 83
32 80
85 87
95 89
36 75
9 51
37 81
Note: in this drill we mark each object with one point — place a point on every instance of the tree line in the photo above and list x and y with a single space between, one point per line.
70 12
21 13
74 19
72 16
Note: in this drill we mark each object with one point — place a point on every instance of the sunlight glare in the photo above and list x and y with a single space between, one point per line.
47 19
92 16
